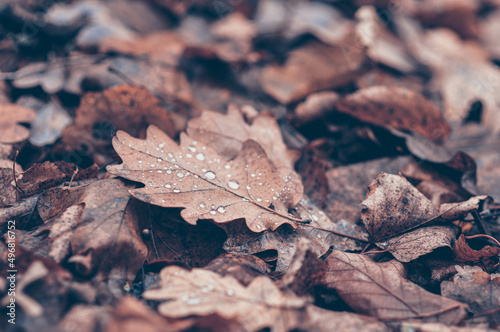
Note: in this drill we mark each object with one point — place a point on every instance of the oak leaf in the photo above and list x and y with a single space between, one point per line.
226 133
380 290
393 206
199 294
194 176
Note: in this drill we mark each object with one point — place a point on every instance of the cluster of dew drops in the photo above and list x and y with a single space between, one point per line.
194 153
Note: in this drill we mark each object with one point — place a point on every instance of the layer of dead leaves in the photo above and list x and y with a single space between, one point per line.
250 165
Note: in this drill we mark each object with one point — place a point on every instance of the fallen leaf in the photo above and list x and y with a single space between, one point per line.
464 253
195 177
201 293
392 206
477 288
396 107
125 107
316 106
380 290
412 245
10 116
243 268
311 68
305 271
49 124
40 177
228 132
93 229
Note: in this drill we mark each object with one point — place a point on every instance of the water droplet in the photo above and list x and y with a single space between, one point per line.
202 205
230 292
252 175
152 165
210 175
227 166
200 156
170 155
176 190
140 161
168 171
233 184
189 155
259 199
228 175
248 187
259 226
159 171
208 288
160 160
212 212
318 236
221 209
196 176
203 147
314 217
191 148
193 301
275 198
180 175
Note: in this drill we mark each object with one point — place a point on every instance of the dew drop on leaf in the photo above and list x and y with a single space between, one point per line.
233 184
212 212
192 148
200 156
177 190
210 175
221 209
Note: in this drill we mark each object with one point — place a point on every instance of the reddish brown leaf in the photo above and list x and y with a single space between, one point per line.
396 107
195 177
380 290
243 268
10 116
40 177
313 67
392 206
464 253
130 108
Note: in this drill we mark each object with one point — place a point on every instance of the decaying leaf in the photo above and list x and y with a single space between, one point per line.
410 246
380 290
396 107
200 294
464 253
130 108
40 177
313 67
477 288
243 268
93 228
392 206
195 177
10 117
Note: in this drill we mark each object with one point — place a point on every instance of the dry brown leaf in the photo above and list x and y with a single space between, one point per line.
316 106
396 107
40 177
380 290
464 253
393 206
195 177
311 68
130 108
243 268
227 133
382 45
320 230
477 288
419 242
10 116
92 228
201 293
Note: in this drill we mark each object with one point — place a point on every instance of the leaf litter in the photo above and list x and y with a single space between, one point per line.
284 166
